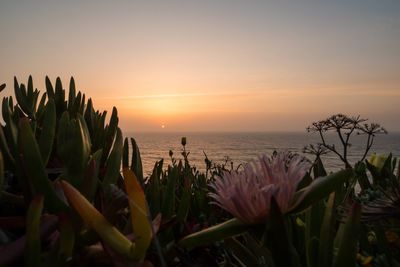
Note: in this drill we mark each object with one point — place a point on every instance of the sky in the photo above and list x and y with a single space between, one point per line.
221 65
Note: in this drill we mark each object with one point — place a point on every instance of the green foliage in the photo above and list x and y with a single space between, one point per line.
35 172
326 224
50 140
347 238
48 131
64 201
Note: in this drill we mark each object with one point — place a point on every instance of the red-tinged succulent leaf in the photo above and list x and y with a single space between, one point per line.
12 222
1 173
156 223
12 252
89 184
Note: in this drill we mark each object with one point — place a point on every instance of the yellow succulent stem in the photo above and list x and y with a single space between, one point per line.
94 219
139 214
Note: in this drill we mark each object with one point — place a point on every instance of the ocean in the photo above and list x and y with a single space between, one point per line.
240 148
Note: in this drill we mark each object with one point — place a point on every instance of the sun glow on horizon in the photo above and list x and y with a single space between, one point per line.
212 65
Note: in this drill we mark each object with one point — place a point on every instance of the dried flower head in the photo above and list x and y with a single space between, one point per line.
247 194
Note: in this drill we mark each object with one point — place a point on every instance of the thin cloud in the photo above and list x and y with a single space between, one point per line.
180 95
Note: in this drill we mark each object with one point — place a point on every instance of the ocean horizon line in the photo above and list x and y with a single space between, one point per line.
211 131
230 132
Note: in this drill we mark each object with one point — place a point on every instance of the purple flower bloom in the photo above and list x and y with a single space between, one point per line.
247 194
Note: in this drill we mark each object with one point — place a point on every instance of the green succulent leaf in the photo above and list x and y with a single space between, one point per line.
214 233
82 106
318 168
136 162
168 202
67 237
277 238
72 95
33 242
9 159
327 233
59 97
34 168
241 252
184 205
154 191
41 107
22 98
113 163
90 182
49 88
319 189
348 238
73 139
313 220
110 134
89 116
48 131
10 127
125 154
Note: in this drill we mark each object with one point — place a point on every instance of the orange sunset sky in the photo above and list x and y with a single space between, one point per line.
221 65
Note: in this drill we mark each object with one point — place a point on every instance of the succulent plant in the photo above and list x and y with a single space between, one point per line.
61 161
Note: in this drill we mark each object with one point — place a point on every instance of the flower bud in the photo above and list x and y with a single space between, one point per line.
183 141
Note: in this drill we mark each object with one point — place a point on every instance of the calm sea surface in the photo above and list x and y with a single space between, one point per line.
244 147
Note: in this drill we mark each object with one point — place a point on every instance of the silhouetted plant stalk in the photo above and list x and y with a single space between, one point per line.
344 126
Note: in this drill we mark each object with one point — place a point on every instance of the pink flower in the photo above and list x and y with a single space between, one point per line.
247 194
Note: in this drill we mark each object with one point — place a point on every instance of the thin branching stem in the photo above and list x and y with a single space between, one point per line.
345 125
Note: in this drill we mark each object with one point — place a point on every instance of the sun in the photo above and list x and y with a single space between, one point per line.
162 126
